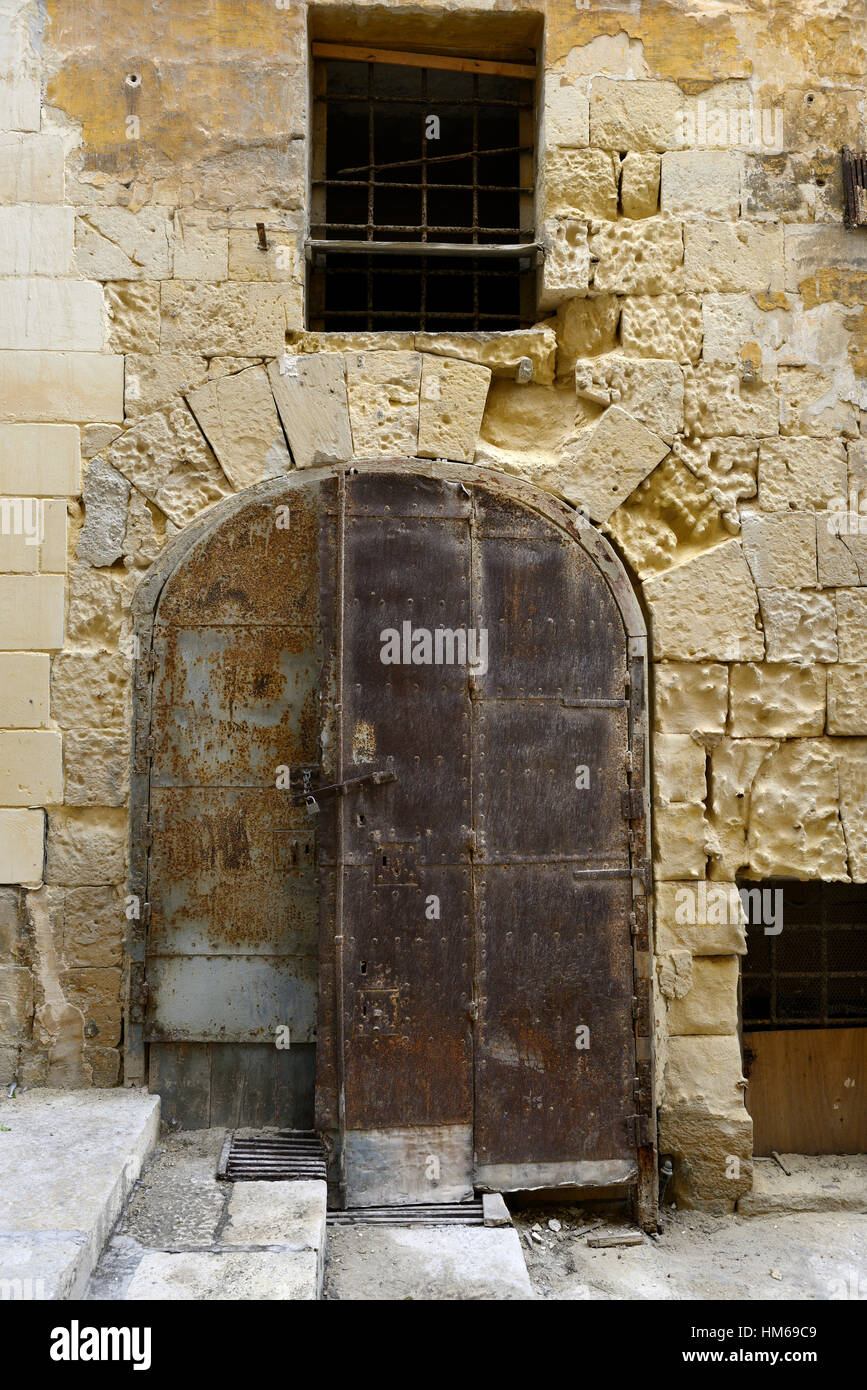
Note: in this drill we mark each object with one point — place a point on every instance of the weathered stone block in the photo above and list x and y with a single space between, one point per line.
637 257
776 700
634 115
116 244
86 846
58 386
800 625
32 535
712 1156
717 402
847 700
95 990
22 846
96 765
681 842
678 769
842 555
156 379
239 419
16 1004
234 318
383 395
40 460
851 759
31 612
98 603
566 265
30 767
670 517
24 690
705 919
711 1006
566 119
451 406
648 389
802 474
90 689
42 313
701 183
706 609
732 257
690 698
662 325
734 763
31 168
726 466
20 101
166 457
36 240
814 251
93 926
106 495
201 252
780 548
606 463
530 351
310 393
585 328
794 822
639 184
852 624
580 183
134 316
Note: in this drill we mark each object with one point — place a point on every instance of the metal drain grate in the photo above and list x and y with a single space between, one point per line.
272 1157
446 1214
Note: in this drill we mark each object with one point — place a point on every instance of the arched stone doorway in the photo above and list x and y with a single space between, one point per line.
452 935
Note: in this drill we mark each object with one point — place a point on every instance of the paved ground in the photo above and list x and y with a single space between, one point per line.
68 1160
187 1236
778 1257
457 1263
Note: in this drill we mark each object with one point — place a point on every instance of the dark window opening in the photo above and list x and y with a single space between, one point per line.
439 160
812 972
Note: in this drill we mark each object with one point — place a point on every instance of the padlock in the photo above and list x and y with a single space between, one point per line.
311 805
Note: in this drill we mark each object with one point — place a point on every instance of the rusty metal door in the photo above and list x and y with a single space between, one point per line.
482 1017
231 921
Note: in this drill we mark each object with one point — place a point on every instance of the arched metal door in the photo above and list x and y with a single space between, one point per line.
484 1021
453 670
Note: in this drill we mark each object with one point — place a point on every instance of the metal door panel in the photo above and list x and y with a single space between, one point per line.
529 758
554 628
234 703
233 998
232 871
555 957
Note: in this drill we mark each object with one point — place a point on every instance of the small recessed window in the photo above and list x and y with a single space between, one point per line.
806 961
422 199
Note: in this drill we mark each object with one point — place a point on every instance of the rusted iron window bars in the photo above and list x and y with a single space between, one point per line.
813 973
466 272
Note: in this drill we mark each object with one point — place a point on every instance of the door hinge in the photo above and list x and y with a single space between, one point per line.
138 992
642 1128
641 1008
632 803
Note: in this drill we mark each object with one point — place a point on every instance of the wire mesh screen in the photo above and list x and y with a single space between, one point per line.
812 972
426 157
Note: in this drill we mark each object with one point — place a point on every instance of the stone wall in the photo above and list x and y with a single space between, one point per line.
695 383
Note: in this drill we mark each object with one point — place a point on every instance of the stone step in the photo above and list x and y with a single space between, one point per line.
68 1161
817 1182
474 1263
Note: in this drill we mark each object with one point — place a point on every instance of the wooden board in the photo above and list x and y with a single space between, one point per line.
347 52
807 1090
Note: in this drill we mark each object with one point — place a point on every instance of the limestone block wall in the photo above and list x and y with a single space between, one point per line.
695 382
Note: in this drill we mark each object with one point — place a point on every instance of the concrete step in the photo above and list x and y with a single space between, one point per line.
817 1182
187 1236
474 1263
68 1161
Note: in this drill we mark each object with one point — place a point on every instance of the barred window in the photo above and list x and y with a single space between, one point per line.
806 961
422 193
